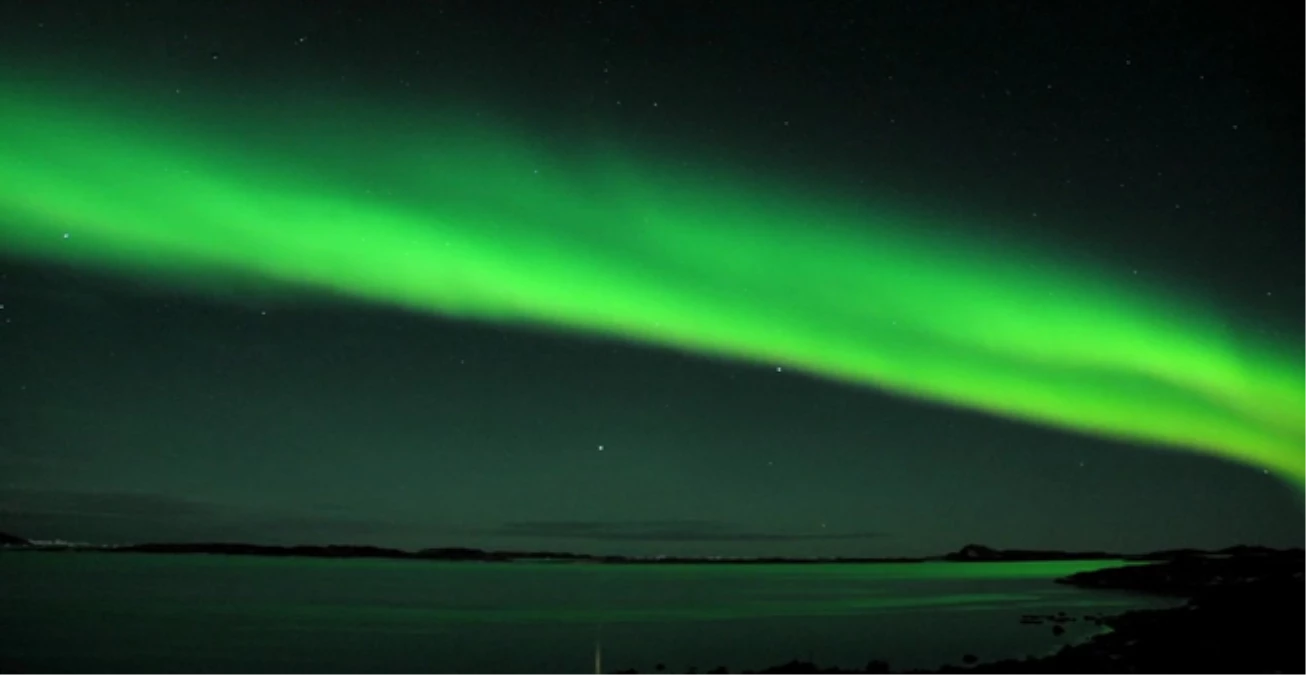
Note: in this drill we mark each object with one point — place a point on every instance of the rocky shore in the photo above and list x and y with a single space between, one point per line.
1244 614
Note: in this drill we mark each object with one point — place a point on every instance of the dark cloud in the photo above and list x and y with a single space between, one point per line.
664 530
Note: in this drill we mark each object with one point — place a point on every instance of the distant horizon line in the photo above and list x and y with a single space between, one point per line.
968 552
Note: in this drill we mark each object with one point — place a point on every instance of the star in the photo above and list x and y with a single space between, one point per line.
600 448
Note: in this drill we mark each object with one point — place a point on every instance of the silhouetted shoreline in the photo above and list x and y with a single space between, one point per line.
1242 612
459 554
11 540
968 553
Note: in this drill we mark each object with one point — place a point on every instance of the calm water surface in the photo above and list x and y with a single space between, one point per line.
142 613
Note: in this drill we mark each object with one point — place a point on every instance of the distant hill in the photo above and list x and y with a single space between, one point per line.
460 553
11 540
968 553
273 551
329 551
1170 554
979 553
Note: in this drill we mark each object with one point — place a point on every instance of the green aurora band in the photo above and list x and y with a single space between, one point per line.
474 220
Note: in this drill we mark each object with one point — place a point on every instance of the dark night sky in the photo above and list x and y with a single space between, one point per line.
1162 136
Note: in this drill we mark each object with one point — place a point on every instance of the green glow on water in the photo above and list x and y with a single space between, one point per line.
425 211
595 592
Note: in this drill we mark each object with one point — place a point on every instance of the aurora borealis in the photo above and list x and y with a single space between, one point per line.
456 209
484 223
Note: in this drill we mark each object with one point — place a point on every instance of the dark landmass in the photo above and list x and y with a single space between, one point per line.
444 553
1243 611
1190 574
968 553
1243 615
11 540
454 554
330 551
981 553
978 553
270 551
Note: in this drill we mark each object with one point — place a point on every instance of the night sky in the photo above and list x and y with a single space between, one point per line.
705 278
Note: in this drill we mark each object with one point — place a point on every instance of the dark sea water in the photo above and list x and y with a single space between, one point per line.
140 613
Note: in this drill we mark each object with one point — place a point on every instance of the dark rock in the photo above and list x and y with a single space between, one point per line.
1244 550
877 666
980 553
969 658
1190 575
1058 629
974 552
11 540
1169 554
460 553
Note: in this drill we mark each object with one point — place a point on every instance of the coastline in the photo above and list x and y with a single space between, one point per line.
1242 614
1238 611
971 553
